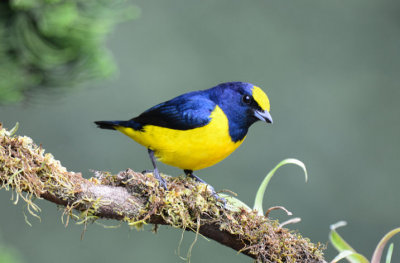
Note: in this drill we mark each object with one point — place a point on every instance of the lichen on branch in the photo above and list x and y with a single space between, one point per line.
136 199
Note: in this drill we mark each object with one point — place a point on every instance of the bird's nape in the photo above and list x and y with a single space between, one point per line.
197 129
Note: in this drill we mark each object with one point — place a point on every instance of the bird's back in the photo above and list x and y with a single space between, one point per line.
195 130
190 132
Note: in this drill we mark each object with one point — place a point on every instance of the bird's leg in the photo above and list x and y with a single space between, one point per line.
190 174
155 172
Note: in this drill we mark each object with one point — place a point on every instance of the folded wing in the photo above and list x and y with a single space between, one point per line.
180 113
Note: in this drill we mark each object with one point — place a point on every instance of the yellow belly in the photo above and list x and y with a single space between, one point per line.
192 149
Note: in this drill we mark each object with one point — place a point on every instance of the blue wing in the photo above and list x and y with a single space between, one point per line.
188 111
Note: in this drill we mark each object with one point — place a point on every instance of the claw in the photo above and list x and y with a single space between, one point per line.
161 180
190 173
219 199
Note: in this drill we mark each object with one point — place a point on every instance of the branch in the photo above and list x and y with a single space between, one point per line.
135 198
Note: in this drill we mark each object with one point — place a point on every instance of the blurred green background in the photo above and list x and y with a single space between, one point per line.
331 70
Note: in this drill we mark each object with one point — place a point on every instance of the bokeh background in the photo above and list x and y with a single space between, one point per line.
331 70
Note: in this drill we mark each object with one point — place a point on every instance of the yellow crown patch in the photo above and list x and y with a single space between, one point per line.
261 98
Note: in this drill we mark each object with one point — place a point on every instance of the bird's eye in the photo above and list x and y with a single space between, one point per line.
246 99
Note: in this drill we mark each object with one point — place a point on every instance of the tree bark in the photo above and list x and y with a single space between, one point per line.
135 198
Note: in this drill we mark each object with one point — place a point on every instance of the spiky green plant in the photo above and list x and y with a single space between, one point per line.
350 254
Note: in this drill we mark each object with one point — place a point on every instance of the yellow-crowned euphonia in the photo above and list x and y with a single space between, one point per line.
197 129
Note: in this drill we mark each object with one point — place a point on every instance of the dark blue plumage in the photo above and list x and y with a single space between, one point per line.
188 111
197 129
192 110
228 96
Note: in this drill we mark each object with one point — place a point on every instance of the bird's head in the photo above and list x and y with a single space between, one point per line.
244 104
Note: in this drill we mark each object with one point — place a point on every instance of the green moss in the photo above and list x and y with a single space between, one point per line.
136 199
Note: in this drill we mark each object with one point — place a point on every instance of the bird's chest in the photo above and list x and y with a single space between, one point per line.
192 149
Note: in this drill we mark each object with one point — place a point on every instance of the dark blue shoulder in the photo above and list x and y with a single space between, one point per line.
188 111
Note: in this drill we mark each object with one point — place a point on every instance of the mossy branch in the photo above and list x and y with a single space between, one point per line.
135 198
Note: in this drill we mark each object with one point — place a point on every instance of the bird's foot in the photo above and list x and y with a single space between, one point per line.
213 193
156 174
219 198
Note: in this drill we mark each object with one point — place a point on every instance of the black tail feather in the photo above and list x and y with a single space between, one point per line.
109 125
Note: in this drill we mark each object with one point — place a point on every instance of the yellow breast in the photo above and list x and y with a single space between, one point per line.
192 149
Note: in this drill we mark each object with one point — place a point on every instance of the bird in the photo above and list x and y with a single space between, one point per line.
197 129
